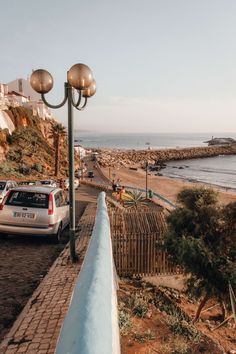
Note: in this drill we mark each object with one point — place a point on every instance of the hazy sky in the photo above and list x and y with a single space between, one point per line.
160 65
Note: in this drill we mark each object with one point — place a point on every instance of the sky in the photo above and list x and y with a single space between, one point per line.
160 65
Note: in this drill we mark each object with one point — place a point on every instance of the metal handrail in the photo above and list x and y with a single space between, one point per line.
91 324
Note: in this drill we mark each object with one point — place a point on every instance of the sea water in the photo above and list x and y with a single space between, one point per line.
139 141
220 170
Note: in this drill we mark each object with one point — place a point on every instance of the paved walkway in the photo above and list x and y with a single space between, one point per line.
37 328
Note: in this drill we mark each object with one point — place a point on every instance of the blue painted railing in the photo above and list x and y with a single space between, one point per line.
91 324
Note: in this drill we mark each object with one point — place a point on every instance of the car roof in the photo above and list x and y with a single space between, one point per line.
37 189
7 180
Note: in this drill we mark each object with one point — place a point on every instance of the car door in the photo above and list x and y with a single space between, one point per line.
61 209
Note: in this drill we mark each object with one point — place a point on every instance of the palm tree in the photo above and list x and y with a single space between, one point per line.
56 133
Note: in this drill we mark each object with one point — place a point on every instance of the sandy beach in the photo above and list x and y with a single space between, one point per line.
167 187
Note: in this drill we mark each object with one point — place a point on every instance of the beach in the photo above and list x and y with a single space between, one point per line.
167 187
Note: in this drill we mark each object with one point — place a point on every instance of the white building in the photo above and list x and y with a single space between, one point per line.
24 88
38 108
80 150
3 90
16 99
4 103
33 99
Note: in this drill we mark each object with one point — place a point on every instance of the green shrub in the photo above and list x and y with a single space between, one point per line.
25 170
125 323
14 155
37 167
144 337
7 169
180 326
139 305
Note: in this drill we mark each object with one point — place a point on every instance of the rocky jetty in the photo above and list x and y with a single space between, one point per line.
221 141
138 158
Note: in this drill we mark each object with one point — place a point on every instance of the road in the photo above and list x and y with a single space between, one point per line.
24 261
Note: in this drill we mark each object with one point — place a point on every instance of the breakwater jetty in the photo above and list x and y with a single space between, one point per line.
127 158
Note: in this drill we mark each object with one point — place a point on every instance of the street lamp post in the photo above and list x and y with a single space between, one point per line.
146 166
80 79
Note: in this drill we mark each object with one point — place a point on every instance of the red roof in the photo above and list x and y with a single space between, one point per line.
14 93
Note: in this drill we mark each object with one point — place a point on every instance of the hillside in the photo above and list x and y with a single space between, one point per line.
159 320
28 152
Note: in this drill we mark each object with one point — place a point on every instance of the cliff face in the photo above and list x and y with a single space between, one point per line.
129 158
26 148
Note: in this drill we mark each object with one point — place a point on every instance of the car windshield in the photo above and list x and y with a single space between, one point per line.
2 185
28 199
46 182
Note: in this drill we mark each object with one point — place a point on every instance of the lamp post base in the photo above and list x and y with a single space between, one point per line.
73 256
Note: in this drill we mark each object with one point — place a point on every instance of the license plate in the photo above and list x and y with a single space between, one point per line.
19 214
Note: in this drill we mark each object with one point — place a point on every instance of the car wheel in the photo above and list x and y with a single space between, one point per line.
57 238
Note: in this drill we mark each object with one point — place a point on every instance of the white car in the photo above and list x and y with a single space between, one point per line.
5 186
76 183
48 182
34 211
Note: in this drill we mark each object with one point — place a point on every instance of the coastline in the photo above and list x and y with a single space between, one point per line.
166 186
126 165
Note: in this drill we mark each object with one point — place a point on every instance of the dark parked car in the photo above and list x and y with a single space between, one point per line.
90 174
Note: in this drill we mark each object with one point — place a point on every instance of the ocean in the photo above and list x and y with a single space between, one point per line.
219 171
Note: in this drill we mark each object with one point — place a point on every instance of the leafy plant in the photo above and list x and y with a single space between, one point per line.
7 169
139 304
125 323
14 155
134 199
37 167
178 345
25 170
181 327
144 337
182 348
